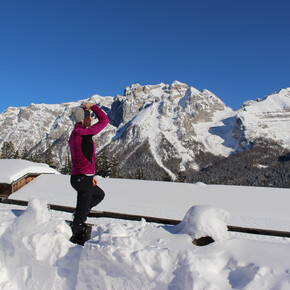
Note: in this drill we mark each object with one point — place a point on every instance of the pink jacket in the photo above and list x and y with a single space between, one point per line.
82 146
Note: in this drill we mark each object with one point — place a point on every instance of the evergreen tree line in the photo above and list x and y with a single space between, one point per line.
104 166
8 152
107 167
267 166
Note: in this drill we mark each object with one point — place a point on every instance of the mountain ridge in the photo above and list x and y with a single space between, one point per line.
161 128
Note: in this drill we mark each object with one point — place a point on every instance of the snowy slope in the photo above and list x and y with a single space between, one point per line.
267 119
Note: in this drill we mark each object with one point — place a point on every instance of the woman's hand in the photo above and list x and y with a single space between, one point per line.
87 106
95 182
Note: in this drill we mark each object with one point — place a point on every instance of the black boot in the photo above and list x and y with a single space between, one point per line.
77 238
87 232
83 236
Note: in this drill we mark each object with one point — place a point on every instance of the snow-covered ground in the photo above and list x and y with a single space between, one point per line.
35 252
248 206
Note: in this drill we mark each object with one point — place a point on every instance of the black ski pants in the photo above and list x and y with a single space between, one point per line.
88 196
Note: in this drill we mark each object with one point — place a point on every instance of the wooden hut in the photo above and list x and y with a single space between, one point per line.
7 189
16 173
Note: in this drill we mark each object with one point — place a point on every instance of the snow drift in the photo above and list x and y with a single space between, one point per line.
35 253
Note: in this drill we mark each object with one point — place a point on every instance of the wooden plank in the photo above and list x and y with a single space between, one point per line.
15 201
255 231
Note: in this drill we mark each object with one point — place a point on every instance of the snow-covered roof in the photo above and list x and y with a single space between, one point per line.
13 169
248 206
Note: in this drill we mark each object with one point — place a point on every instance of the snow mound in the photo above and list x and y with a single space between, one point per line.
31 247
202 220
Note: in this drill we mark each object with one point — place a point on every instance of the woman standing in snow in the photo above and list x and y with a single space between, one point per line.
83 150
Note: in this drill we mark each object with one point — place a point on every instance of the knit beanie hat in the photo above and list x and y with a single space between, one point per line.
78 114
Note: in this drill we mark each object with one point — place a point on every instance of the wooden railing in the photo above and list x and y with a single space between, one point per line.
115 215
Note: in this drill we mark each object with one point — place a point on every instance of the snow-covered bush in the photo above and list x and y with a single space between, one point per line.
202 221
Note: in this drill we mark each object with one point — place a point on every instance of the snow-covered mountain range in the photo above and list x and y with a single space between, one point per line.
159 128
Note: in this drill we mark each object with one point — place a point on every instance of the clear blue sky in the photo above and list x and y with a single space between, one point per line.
58 51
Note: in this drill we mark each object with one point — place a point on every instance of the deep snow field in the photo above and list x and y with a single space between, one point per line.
35 252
